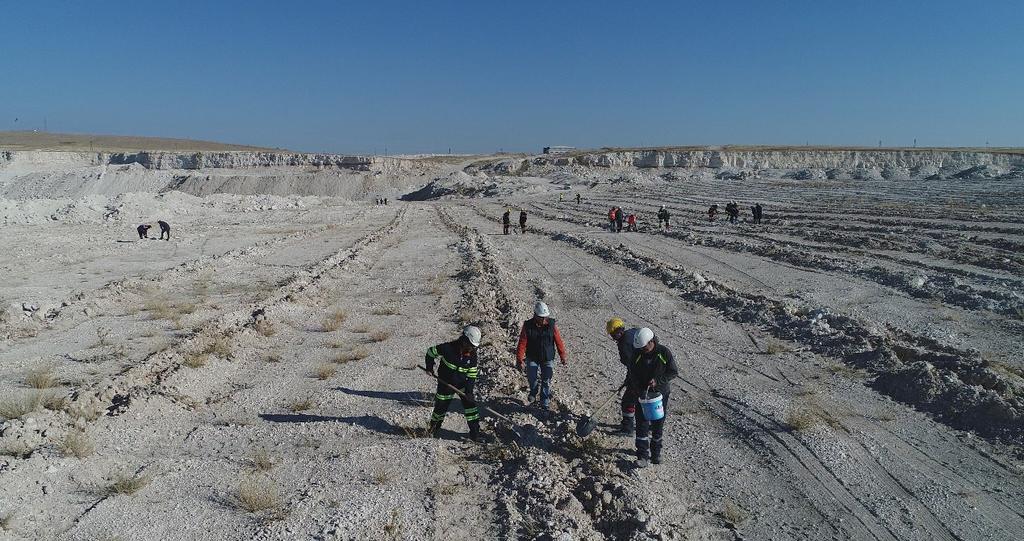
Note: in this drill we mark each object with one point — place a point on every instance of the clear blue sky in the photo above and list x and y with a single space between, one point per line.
478 76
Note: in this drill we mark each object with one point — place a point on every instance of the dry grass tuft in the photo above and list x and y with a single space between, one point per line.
195 360
41 378
273 358
801 418
257 494
385 311
220 347
265 327
383 476
361 329
379 336
16 407
393 525
77 444
352 355
301 404
52 399
161 308
774 347
334 320
324 372
7 521
17 449
261 460
125 483
733 513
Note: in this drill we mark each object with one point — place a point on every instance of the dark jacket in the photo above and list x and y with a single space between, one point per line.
522 217
538 343
626 351
453 366
658 365
505 218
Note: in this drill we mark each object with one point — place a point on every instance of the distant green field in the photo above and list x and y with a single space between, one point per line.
31 140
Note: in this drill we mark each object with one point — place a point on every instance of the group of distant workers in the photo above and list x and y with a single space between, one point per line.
506 220
733 211
165 229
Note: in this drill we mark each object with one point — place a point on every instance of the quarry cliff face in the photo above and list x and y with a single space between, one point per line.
793 159
157 160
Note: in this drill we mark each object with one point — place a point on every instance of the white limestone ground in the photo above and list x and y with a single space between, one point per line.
851 367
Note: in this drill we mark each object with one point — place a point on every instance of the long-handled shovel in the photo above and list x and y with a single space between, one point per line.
585 426
463 396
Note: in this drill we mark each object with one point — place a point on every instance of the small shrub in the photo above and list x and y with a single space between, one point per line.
334 320
352 355
361 329
273 358
41 378
256 494
125 483
301 404
195 360
325 371
77 444
379 336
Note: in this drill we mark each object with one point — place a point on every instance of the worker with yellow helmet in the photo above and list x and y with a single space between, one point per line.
623 338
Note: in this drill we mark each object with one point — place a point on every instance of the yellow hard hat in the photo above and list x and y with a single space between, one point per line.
615 324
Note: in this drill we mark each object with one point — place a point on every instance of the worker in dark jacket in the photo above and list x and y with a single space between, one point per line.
538 342
143 231
505 220
663 217
623 338
522 220
651 371
457 366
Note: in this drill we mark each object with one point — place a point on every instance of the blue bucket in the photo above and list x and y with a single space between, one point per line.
652 407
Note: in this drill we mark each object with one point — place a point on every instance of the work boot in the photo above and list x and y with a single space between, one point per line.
627 426
474 432
656 452
434 430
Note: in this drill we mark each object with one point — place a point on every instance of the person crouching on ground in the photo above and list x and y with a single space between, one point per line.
457 366
652 370
538 341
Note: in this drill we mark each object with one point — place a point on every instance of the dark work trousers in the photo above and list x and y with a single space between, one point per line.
649 433
444 398
628 404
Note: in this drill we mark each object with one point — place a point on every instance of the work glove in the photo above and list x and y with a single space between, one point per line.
521 365
565 361
651 384
430 368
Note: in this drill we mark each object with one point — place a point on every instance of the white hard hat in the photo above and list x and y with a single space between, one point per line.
472 334
642 337
541 309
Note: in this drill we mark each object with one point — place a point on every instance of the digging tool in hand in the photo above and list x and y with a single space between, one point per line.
463 396
585 426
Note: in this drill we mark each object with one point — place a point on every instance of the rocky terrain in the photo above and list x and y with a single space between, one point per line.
851 367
